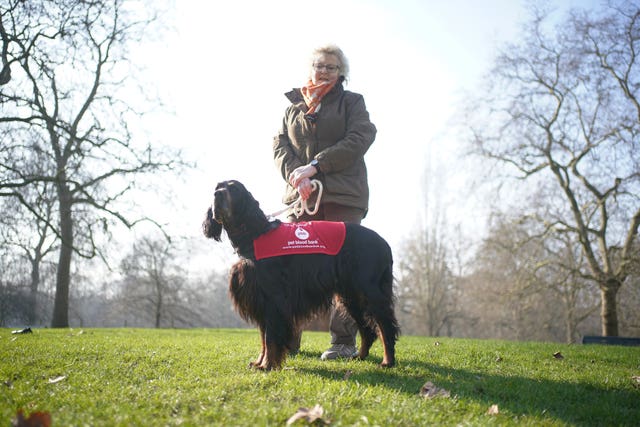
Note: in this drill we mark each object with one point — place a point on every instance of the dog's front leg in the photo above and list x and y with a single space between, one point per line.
275 348
258 362
273 359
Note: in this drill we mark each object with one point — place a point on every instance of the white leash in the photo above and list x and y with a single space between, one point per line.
299 206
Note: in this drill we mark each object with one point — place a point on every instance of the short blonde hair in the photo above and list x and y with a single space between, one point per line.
332 49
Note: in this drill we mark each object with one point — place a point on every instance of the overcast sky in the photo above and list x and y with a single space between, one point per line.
226 68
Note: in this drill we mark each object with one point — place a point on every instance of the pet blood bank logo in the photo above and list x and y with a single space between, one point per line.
301 233
304 237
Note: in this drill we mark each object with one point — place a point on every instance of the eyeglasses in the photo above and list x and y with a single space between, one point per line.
329 68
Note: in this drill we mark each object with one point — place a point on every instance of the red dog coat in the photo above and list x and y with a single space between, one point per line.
312 237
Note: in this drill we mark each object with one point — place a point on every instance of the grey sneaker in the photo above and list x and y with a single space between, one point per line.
340 350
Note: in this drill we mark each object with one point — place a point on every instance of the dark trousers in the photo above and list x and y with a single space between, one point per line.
342 327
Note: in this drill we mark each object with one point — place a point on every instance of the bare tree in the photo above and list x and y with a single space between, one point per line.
67 109
561 108
31 237
542 268
427 288
562 268
425 284
155 286
5 71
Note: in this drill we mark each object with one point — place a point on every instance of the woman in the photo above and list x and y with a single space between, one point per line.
325 134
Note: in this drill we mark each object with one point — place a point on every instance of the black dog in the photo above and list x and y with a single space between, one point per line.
279 293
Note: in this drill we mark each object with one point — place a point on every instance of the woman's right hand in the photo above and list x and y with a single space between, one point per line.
301 173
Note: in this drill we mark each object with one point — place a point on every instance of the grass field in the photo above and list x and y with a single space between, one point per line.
199 377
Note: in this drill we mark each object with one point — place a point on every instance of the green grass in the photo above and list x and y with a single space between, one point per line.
199 377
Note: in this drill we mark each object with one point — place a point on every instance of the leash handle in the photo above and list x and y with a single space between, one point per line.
299 206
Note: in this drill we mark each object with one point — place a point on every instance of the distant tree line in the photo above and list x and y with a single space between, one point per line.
149 289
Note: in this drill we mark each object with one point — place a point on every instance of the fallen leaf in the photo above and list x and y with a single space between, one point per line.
310 415
347 374
57 379
636 380
493 410
558 355
35 419
498 359
429 391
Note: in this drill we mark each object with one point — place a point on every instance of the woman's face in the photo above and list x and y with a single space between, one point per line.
325 68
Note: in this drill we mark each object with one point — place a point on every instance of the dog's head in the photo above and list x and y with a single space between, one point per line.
233 207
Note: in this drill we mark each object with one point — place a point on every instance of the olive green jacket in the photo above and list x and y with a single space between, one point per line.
338 136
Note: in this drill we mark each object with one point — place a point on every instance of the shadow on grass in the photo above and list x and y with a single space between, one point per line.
574 403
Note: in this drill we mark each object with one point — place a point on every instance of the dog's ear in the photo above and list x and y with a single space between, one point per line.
210 227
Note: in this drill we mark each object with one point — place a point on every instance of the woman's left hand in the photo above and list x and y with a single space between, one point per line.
305 188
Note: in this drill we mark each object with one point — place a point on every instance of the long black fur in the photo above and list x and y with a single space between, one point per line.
279 293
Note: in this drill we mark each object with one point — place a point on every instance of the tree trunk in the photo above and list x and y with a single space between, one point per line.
159 310
570 325
609 313
32 310
63 277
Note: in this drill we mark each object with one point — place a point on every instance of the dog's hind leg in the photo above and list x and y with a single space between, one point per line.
367 337
388 336
367 333
263 350
383 316
379 311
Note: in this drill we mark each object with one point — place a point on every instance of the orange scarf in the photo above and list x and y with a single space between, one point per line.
313 94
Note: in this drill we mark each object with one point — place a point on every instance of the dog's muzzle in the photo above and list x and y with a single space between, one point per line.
221 205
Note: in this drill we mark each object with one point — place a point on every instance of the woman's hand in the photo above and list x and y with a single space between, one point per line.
301 173
299 179
305 188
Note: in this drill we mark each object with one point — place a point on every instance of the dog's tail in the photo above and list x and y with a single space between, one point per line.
211 228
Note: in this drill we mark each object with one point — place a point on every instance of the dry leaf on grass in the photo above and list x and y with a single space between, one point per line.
493 410
36 419
347 374
57 379
310 415
429 391
636 380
